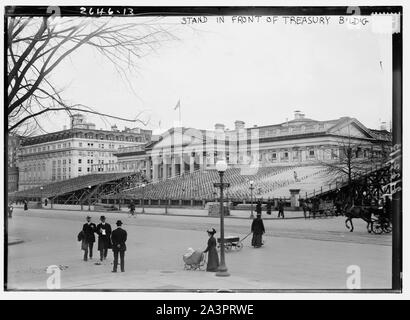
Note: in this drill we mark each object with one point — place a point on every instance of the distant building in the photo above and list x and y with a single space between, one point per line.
296 142
12 162
73 152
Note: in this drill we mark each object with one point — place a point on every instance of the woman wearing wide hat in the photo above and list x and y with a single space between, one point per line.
258 230
213 260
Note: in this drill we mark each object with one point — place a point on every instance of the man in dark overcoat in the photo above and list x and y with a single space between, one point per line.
281 208
89 228
258 207
118 238
104 238
269 207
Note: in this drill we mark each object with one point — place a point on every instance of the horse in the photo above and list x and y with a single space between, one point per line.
359 213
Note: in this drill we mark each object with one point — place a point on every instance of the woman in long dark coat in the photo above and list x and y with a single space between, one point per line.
258 230
213 260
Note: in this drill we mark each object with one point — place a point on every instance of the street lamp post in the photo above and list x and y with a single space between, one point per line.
41 197
221 166
89 199
251 188
119 200
143 198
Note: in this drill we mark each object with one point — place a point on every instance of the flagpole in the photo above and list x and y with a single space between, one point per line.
180 113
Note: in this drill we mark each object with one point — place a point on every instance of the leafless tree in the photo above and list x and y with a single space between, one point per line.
351 158
37 45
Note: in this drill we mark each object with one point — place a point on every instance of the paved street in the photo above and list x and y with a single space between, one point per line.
298 253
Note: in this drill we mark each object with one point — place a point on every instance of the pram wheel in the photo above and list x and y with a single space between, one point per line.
239 245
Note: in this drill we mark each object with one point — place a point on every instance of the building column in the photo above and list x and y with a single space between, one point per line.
148 169
304 154
202 161
173 166
322 153
191 163
181 164
155 169
212 158
164 168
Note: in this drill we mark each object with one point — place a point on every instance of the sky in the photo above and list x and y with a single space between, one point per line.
256 72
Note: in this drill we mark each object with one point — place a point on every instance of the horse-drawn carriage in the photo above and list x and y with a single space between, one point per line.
319 208
377 218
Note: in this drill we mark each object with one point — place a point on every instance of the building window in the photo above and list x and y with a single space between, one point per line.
79 161
79 169
311 153
80 144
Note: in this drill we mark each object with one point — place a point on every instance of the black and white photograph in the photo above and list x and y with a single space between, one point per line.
203 149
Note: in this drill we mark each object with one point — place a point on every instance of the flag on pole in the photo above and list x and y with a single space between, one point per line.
178 106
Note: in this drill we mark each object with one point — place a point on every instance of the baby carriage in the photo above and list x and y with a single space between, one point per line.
194 260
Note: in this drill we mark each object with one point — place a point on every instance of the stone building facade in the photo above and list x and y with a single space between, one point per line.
73 152
301 141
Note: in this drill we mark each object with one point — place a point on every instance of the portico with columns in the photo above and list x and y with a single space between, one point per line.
296 142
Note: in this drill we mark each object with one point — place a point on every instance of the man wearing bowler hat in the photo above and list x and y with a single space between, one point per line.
118 238
104 238
89 228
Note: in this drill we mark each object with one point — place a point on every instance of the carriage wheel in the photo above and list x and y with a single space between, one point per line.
377 228
239 245
387 228
228 247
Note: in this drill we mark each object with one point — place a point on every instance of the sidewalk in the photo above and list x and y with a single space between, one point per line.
169 280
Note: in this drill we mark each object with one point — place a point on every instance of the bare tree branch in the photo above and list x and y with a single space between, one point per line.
36 46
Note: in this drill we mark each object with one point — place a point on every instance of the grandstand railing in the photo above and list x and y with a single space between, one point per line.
343 182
